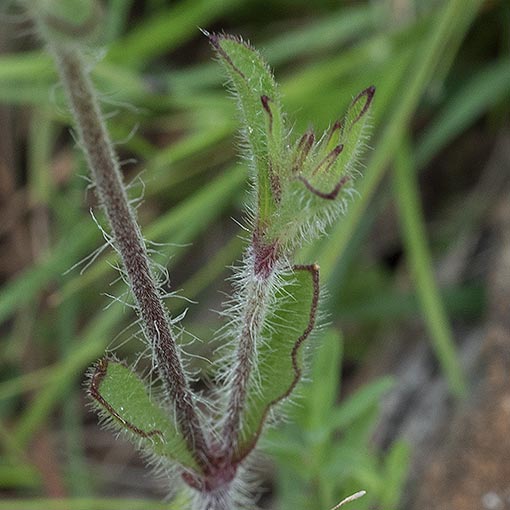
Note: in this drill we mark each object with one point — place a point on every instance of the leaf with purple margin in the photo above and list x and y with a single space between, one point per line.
261 114
280 353
123 400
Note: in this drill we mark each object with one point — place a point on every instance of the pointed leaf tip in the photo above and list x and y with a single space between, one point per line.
368 95
261 114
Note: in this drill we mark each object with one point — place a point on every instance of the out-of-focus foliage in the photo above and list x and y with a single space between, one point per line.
324 453
439 68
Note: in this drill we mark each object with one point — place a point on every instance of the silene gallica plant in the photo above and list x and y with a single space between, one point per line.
299 186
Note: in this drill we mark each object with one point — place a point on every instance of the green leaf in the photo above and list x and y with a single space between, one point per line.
396 467
122 397
463 107
359 403
317 398
421 266
261 114
352 134
326 376
411 88
280 354
326 171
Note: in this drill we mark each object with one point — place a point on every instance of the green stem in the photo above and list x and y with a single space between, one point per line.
255 297
420 261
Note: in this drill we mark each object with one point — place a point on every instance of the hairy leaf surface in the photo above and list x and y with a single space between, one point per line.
124 401
280 353
258 98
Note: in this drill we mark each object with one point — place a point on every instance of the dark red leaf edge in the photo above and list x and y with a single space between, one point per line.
304 146
313 270
265 104
95 381
331 195
215 40
368 94
329 160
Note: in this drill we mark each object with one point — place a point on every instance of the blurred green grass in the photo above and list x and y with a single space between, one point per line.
433 85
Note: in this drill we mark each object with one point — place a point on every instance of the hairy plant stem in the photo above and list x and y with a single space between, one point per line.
256 296
128 240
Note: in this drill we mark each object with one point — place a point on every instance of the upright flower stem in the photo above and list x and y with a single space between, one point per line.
255 299
127 238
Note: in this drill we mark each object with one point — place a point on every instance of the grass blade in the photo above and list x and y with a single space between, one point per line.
414 235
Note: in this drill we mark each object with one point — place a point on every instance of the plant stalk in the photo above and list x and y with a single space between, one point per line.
256 297
128 240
